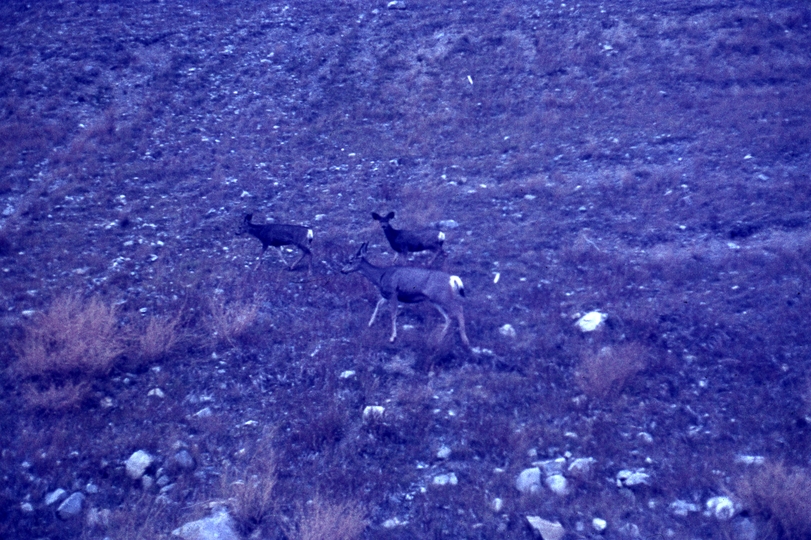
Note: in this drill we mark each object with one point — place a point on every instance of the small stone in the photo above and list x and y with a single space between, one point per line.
448 224
682 508
446 480
184 460
444 452
497 504
98 518
632 478
549 530
396 4
529 481
219 526
581 467
71 506
394 522
26 507
147 481
373 412
205 412
558 484
750 460
348 374
591 321
55 496
156 392
721 507
599 524
507 331
137 464
91 489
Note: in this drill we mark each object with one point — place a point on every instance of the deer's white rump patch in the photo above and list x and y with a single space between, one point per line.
456 283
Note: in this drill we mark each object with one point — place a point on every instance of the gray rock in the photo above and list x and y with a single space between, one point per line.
55 496
529 481
137 464
72 506
184 460
219 526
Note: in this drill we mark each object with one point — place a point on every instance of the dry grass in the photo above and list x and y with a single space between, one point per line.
54 397
332 521
73 337
160 336
251 497
230 320
782 497
606 373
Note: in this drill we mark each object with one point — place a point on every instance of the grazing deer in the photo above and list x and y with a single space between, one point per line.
278 235
403 240
411 285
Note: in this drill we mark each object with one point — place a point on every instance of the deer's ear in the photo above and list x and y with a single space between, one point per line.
376 216
390 215
362 250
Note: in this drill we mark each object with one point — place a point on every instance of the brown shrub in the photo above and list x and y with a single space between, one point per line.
606 373
66 396
250 498
780 496
159 337
332 521
230 320
72 337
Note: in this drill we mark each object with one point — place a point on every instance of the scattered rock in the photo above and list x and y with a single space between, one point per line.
444 452
71 506
682 508
599 524
558 484
551 466
448 224
219 526
183 460
446 479
396 4
26 507
98 518
497 505
373 412
750 460
591 321
507 331
348 374
393 522
55 496
722 508
581 467
529 481
632 478
137 464
549 530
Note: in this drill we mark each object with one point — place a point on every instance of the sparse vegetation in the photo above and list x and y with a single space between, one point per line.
649 162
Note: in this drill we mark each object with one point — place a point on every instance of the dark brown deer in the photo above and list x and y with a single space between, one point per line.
278 235
411 285
405 240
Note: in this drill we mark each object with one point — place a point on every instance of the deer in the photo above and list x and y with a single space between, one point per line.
278 235
411 285
404 240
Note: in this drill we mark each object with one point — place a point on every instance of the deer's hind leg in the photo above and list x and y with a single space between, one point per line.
394 307
447 320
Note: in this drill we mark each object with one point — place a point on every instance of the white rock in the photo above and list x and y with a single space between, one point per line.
551 466
750 460
220 526
71 506
632 478
558 484
721 507
497 505
448 224
347 374
156 392
55 496
373 412
444 452
507 331
138 462
599 524
682 508
446 479
26 507
549 530
529 481
581 467
591 321
393 522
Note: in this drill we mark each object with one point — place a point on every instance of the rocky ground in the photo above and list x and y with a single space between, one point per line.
647 161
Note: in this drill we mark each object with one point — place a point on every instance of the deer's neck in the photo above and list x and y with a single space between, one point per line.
373 273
